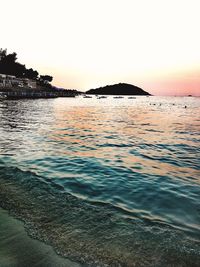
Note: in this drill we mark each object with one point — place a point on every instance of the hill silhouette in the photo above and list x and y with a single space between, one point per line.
118 89
10 66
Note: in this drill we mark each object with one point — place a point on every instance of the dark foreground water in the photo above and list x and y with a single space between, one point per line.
105 182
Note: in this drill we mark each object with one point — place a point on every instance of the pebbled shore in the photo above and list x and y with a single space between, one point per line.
17 249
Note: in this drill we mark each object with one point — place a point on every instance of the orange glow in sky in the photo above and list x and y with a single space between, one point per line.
153 44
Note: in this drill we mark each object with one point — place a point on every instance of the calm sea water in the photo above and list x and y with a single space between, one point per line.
106 182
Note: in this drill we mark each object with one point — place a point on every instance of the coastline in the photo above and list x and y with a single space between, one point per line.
18 249
32 93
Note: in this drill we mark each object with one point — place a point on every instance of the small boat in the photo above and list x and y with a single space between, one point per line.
100 97
131 97
118 97
87 96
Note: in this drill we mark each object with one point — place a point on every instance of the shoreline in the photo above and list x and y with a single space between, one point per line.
33 93
18 249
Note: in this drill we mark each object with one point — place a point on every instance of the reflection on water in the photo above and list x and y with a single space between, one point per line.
139 157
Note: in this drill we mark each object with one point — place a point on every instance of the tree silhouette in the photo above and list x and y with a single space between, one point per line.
10 66
46 78
3 53
31 74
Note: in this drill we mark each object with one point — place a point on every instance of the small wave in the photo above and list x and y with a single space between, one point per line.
91 233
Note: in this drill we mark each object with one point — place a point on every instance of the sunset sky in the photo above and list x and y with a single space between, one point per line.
83 44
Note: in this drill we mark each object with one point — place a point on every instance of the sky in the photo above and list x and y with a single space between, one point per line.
84 44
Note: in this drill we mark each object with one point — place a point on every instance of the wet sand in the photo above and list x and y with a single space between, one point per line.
17 249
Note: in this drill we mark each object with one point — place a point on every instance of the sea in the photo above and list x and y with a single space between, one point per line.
105 181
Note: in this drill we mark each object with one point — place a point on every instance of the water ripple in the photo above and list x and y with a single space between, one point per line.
128 171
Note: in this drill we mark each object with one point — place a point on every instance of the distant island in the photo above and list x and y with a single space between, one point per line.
118 89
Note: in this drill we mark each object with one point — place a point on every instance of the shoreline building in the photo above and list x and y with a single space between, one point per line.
11 81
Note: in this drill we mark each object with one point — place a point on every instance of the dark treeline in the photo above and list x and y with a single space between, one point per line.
10 66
